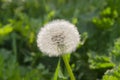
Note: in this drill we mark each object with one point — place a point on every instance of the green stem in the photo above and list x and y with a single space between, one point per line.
14 45
57 71
68 67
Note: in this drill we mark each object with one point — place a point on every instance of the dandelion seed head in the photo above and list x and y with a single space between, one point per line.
58 37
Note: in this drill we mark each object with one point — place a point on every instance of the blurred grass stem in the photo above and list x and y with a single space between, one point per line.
14 47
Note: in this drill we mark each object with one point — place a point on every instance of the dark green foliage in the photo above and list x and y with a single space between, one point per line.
98 22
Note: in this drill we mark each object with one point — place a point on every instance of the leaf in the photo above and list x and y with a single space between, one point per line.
57 71
6 29
113 74
115 53
99 61
61 76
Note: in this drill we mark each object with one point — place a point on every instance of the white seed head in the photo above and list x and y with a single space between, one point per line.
58 37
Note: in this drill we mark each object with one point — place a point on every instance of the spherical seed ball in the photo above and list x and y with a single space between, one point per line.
58 37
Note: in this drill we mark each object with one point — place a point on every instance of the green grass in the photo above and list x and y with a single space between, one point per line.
98 22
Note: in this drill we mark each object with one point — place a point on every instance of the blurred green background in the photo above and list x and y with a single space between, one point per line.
98 22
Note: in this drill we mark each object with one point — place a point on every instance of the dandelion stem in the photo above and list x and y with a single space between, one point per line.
68 67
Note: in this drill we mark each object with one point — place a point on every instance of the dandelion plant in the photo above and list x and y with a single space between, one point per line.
58 38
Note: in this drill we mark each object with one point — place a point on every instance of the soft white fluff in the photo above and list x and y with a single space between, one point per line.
58 37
